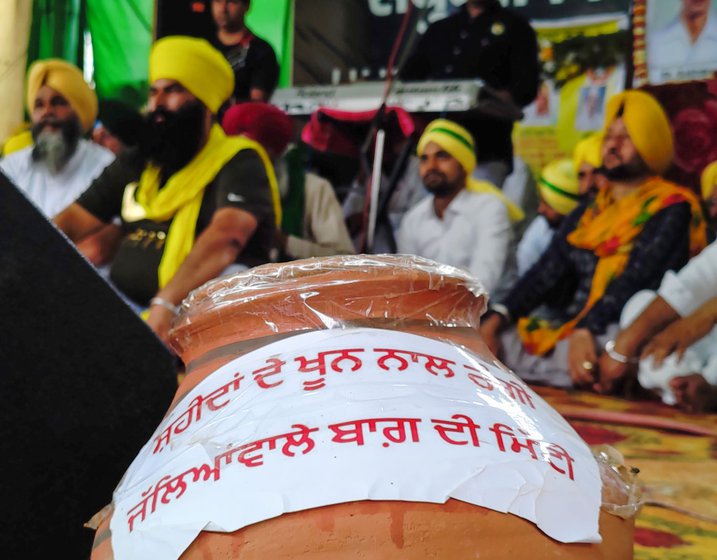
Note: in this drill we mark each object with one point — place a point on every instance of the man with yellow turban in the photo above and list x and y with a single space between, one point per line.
558 196
192 201
466 223
587 159
708 180
59 164
636 229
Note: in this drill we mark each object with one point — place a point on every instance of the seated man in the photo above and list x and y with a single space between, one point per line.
671 337
60 164
466 223
558 194
635 230
118 127
191 200
312 220
708 180
587 159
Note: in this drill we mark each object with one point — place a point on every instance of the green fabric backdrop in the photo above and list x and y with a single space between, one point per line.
55 31
273 20
121 38
122 34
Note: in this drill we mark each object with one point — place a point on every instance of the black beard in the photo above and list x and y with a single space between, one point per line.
626 171
71 133
442 188
173 143
623 173
554 223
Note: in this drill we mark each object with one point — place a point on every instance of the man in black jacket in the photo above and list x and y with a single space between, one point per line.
482 41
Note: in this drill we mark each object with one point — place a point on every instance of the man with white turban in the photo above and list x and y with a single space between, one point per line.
60 164
192 201
607 249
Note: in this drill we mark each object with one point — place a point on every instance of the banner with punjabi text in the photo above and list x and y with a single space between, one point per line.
360 414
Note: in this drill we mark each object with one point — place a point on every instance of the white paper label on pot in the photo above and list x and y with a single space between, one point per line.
337 416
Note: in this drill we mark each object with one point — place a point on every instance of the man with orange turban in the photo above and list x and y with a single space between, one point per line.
59 164
312 221
192 201
623 241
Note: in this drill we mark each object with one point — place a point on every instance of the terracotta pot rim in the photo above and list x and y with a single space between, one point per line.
349 277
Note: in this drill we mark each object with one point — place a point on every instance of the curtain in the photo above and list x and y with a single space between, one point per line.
14 33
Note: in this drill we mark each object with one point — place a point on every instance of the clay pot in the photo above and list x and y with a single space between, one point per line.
229 317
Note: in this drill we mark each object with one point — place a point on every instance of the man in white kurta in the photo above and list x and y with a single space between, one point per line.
466 223
675 330
59 165
686 48
52 191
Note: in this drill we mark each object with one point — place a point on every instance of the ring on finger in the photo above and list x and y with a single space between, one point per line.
588 365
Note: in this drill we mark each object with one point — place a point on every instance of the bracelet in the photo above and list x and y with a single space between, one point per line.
501 310
163 303
615 355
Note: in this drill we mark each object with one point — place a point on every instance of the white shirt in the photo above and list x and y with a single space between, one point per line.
53 192
325 231
694 284
671 56
533 244
475 234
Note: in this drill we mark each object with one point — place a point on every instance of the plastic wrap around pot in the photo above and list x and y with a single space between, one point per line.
385 291
341 406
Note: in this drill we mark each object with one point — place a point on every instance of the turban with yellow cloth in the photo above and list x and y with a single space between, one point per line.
647 124
610 227
67 80
459 143
195 64
709 180
558 186
588 150
206 74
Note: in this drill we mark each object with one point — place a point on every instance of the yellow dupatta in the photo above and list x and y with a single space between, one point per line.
608 228
180 199
515 214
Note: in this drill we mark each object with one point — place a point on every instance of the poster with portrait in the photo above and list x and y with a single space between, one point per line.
583 65
675 40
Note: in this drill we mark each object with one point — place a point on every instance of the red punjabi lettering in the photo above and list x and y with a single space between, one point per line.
459 425
319 364
434 365
517 392
274 367
480 376
353 431
557 452
251 454
193 413
516 446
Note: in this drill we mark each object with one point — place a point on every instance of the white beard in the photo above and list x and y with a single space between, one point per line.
52 148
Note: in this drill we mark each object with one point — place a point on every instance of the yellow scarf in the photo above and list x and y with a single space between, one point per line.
608 228
514 212
180 198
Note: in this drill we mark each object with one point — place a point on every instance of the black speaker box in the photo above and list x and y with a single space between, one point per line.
83 384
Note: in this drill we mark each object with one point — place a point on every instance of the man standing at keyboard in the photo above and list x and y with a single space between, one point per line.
482 41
